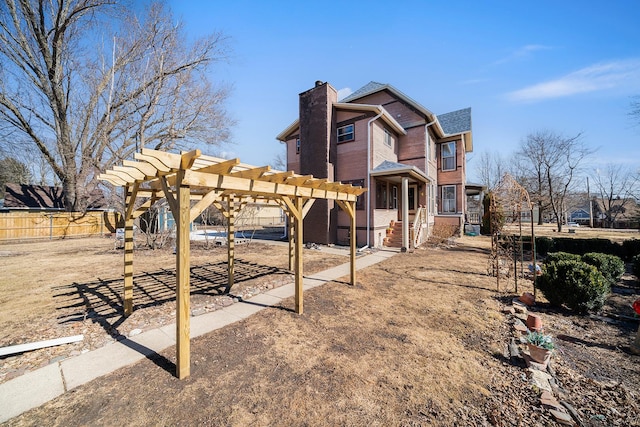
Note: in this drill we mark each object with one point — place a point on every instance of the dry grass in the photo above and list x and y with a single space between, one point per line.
418 341
550 230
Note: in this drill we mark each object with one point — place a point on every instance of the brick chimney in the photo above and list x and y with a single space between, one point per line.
318 151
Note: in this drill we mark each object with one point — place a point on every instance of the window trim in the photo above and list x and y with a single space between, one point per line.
345 134
444 204
442 156
388 138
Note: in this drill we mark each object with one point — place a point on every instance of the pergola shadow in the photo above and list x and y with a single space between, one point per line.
101 300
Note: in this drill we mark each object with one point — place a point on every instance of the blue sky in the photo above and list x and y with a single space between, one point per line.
522 66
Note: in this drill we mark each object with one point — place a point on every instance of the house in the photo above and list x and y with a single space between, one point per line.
412 162
44 197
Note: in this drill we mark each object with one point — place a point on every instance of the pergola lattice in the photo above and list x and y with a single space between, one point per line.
509 201
191 182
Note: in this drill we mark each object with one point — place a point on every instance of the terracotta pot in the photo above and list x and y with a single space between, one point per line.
538 354
534 322
527 298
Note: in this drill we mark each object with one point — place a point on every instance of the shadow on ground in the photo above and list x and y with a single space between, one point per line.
101 300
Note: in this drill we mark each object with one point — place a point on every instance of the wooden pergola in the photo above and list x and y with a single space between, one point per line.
191 182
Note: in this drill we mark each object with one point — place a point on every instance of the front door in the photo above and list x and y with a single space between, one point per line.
412 202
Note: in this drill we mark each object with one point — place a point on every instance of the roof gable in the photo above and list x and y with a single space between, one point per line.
456 122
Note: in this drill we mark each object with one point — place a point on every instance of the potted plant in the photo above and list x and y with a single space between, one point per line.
540 346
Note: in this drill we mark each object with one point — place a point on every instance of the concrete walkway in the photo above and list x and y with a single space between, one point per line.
38 387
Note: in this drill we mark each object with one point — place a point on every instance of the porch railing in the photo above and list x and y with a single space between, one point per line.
419 220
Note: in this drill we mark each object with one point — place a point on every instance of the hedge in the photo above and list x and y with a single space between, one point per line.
576 284
625 250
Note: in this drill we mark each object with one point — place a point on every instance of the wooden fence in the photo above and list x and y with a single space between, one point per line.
52 225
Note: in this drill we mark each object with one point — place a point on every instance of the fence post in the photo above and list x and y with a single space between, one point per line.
51 227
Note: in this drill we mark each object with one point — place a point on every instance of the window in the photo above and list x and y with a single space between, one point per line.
388 138
448 198
448 156
346 133
298 146
394 197
381 195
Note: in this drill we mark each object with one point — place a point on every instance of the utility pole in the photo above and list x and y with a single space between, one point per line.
590 205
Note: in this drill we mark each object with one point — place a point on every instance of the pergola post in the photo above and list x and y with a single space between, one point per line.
128 266
292 239
231 235
352 214
297 227
183 303
350 209
129 200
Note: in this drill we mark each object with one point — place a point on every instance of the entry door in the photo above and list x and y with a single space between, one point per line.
413 201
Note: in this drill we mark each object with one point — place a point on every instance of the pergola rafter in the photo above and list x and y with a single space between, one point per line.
191 182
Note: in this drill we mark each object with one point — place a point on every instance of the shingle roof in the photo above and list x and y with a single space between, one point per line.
370 87
456 121
387 165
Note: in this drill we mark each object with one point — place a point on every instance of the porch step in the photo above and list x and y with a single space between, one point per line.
394 240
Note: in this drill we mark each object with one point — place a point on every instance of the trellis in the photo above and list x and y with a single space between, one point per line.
508 202
191 182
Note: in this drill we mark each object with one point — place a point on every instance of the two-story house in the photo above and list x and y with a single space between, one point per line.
412 162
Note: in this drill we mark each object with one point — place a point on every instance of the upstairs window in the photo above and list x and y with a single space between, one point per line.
448 156
388 138
298 146
346 133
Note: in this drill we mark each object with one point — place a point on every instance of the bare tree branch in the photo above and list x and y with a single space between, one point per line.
87 83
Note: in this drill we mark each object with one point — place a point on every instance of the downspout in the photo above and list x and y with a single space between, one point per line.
369 176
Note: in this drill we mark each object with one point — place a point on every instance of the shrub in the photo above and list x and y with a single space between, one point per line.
576 284
630 249
561 256
636 266
610 266
543 245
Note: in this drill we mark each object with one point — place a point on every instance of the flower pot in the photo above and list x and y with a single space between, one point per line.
534 322
538 354
527 298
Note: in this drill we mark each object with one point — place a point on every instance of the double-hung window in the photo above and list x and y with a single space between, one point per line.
448 198
346 133
448 154
388 138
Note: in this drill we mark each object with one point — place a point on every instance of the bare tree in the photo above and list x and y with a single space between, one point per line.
279 162
88 83
615 185
491 168
554 162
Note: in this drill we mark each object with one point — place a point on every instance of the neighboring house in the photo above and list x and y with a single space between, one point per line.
580 216
412 162
620 213
43 197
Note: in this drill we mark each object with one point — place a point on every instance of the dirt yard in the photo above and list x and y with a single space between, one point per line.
420 340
